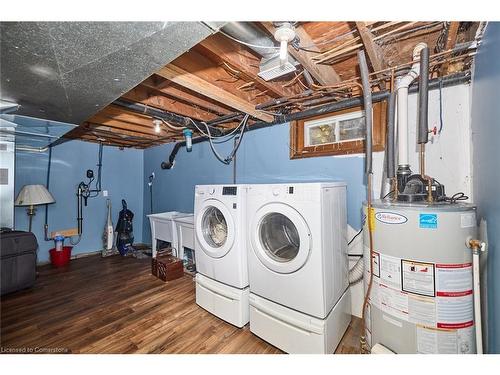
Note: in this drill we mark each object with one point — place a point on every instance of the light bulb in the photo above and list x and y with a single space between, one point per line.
157 125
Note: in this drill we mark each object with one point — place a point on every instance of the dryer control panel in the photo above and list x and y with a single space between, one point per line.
229 190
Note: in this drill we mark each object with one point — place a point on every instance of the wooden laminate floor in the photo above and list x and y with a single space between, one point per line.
115 305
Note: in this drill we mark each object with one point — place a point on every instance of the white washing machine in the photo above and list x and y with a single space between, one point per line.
298 265
220 247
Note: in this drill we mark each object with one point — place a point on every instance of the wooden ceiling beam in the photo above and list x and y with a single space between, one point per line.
124 115
195 83
119 124
372 49
451 40
143 95
123 128
220 49
173 91
86 134
325 75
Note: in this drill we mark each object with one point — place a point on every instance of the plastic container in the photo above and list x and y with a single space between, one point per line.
59 242
60 258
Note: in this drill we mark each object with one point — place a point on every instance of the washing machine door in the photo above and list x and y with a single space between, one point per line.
280 238
215 229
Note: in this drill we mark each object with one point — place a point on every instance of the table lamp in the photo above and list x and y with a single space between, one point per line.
31 196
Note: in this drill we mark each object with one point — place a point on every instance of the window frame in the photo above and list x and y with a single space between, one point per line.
298 134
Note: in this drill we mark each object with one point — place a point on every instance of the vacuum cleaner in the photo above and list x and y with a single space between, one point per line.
124 229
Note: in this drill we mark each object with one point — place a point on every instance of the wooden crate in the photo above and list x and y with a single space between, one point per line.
167 267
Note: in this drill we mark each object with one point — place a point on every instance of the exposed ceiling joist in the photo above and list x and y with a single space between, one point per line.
122 134
195 83
222 50
325 75
122 126
121 114
173 91
144 96
372 49
451 40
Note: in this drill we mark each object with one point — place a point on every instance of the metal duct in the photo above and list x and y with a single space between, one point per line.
270 66
249 33
68 71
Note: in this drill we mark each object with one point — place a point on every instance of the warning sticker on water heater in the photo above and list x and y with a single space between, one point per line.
445 341
418 277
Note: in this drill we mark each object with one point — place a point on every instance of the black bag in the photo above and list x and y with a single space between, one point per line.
18 260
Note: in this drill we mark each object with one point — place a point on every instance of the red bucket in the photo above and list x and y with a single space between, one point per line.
60 258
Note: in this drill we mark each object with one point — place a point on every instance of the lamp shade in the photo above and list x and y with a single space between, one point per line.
32 195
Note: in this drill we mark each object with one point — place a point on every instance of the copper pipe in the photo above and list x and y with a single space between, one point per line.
429 187
363 347
422 160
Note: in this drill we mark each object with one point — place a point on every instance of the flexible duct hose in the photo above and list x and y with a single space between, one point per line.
356 272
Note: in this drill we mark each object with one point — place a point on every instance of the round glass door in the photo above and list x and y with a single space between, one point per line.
214 228
280 238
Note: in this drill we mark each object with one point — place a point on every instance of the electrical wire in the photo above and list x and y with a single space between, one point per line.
389 193
227 160
210 136
351 241
356 235
169 125
456 197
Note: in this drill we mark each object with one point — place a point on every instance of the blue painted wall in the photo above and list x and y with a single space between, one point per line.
262 158
486 141
122 176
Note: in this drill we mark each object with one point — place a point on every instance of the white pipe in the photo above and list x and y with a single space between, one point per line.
477 299
32 149
402 84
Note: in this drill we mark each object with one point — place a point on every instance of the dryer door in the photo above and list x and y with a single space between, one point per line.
280 238
215 228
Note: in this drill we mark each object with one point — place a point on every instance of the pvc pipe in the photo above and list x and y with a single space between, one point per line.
477 301
402 85
32 149
403 156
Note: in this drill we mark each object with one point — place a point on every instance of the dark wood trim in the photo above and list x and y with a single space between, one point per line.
298 150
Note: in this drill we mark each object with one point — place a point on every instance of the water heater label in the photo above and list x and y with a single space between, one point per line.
418 277
468 220
391 218
428 221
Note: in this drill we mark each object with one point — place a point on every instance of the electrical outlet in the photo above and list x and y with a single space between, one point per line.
104 193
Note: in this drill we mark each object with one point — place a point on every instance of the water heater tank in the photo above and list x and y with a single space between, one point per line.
421 299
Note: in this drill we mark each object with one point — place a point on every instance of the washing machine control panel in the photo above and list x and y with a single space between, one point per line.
229 190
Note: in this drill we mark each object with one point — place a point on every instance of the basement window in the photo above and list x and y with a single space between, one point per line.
337 133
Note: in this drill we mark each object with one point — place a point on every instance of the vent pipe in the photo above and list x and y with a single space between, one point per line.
249 33
402 85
